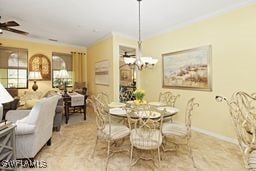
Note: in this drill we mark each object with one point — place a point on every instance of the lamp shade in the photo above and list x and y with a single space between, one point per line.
35 75
63 73
5 97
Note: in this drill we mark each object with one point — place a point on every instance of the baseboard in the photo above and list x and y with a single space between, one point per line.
215 135
212 134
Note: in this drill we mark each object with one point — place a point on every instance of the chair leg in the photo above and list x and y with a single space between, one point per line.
49 142
108 155
94 147
131 154
159 157
190 153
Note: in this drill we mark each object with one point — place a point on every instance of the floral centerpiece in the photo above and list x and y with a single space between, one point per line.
139 95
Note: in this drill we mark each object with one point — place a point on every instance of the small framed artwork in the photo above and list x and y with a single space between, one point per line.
102 72
40 62
125 75
188 69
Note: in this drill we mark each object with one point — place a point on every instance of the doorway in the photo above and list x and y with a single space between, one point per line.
127 74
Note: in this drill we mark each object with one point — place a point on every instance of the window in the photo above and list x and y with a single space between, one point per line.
14 67
61 61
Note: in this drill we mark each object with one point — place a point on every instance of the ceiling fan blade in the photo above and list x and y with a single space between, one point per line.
15 31
11 23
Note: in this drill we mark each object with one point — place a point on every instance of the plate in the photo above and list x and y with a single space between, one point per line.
117 111
168 109
156 103
116 104
148 114
130 102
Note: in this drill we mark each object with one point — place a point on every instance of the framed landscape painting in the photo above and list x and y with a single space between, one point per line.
102 72
188 69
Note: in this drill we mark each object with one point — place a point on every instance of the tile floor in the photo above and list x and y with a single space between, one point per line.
72 147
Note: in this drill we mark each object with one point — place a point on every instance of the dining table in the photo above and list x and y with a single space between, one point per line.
121 109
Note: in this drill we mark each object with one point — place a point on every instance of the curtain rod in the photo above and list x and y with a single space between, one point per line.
79 53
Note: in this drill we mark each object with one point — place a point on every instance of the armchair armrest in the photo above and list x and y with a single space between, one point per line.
14 115
24 128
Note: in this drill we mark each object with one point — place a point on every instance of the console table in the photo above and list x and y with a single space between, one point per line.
7 146
67 105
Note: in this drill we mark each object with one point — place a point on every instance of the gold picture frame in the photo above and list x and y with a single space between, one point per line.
188 69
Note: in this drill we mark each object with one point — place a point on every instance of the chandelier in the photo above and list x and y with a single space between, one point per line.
140 62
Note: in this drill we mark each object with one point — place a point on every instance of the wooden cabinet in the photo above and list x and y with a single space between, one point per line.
7 147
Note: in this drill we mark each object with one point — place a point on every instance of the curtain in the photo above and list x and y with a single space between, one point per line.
78 60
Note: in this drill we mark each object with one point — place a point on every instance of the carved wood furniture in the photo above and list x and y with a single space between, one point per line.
67 107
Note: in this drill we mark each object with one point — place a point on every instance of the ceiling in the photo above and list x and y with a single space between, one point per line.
84 22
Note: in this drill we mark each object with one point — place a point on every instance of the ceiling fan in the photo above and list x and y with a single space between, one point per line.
7 26
126 55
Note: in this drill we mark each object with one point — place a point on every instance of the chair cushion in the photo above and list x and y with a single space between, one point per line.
146 138
118 131
173 129
30 103
252 160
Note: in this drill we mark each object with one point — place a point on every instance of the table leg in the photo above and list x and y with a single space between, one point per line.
85 111
66 112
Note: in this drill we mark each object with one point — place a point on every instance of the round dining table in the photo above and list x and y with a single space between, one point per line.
167 110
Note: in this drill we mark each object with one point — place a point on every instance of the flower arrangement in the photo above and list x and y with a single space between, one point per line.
139 95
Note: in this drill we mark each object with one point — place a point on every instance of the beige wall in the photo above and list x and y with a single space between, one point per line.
107 49
41 48
98 52
233 40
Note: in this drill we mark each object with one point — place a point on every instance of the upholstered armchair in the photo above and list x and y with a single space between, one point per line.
33 127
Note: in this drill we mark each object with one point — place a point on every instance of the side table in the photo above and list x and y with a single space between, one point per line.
7 146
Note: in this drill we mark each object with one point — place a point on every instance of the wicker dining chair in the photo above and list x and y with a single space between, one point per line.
145 134
103 98
242 111
106 130
168 98
172 131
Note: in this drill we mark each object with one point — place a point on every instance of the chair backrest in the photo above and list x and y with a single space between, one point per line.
43 112
242 111
141 119
103 98
168 97
102 116
188 113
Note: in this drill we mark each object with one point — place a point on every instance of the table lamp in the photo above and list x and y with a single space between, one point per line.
63 74
5 97
35 75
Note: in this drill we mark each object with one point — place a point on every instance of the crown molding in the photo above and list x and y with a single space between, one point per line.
202 18
48 42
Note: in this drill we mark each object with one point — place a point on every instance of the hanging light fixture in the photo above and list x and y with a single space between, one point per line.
140 62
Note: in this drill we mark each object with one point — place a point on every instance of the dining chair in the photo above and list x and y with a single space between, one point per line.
168 98
103 98
242 111
172 131
145 132
106 130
